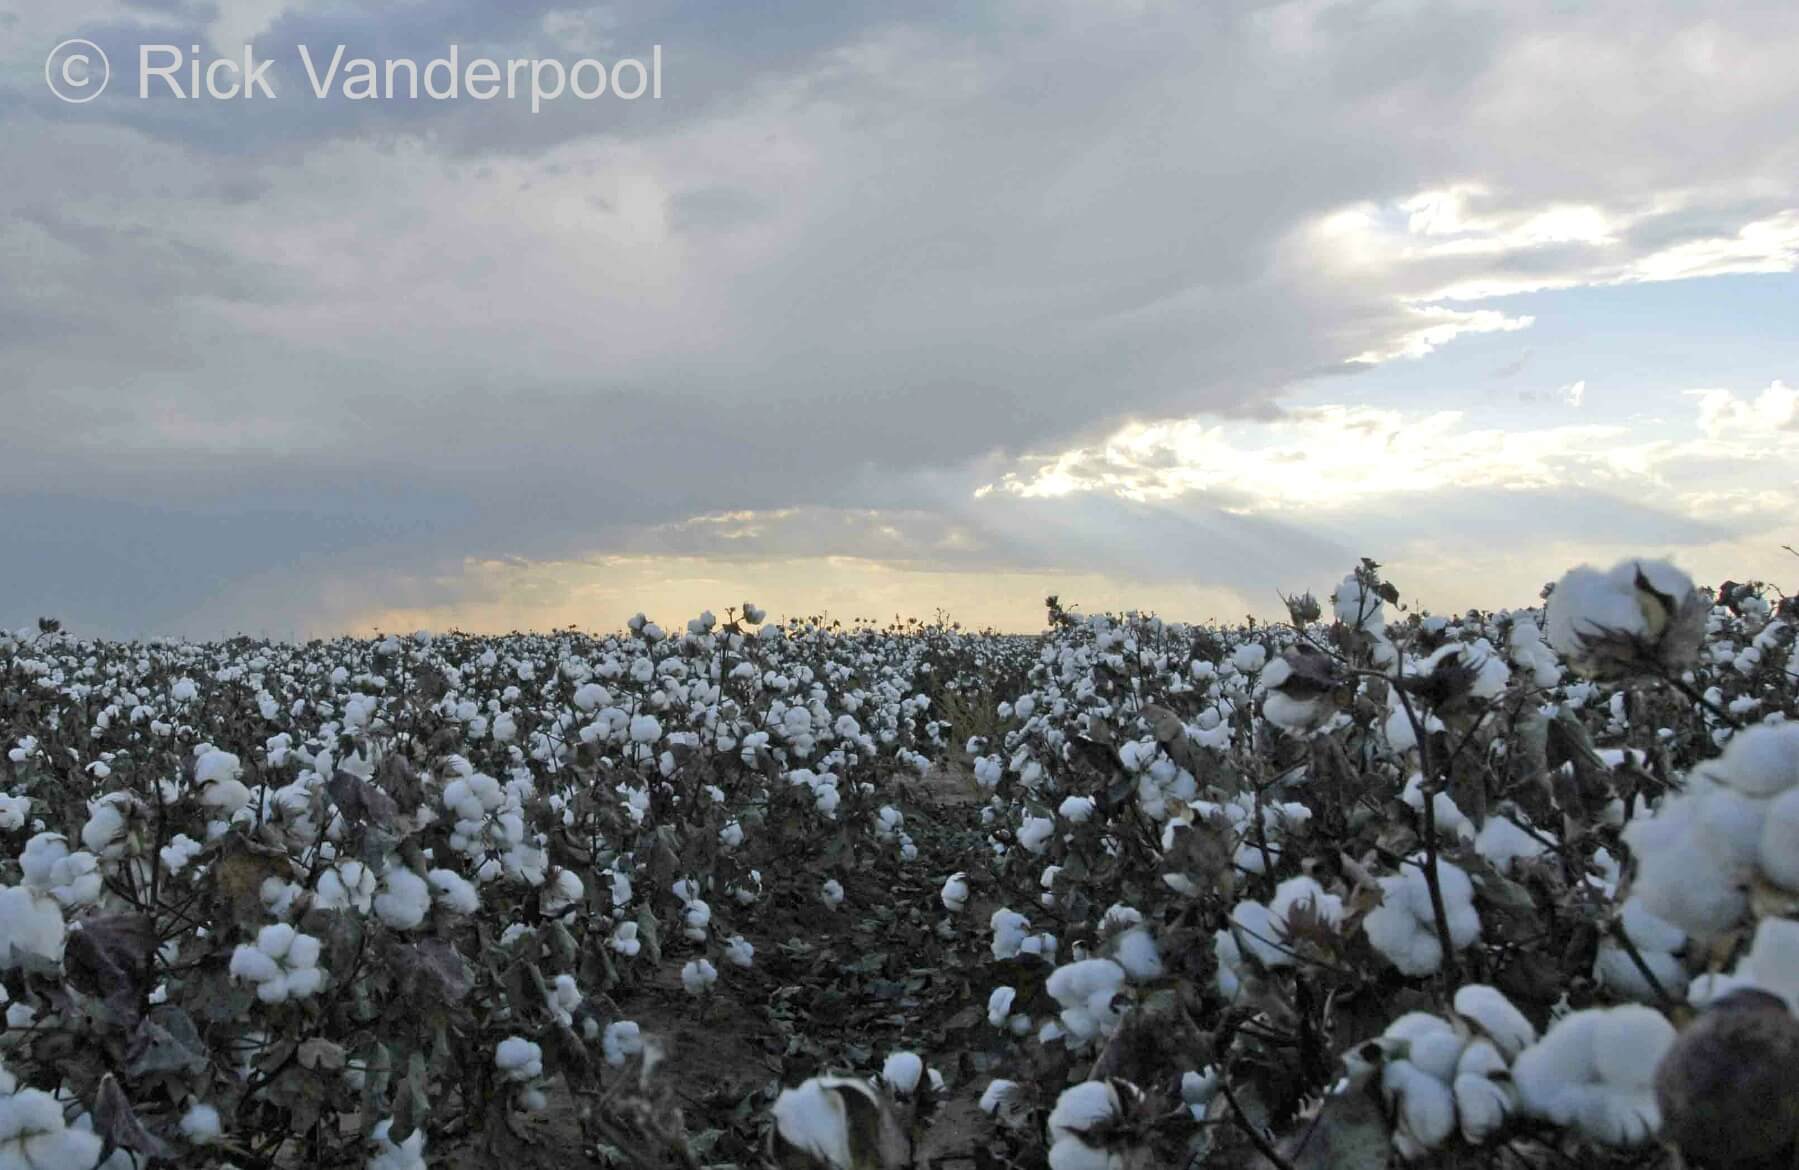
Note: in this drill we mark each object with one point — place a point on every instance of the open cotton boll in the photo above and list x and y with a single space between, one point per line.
518 1059
1498 1020
1688 872
1423 1107
1083 1107
403 900
901 1072
1778 850
1773 959
1009 929
623 1039
283 964
1762 760
1137 953
31 923
831 893
452 892
1403 926
200 1124
698 975
33 1134
1078 1125
1035 833
1450 819
1504 842
1304 894
1484 1097
1594 1070
739 952
406 1155
562 891
1077 810
1636 615
814 1118
13 811
1006 1101
955 893
1657 942
1085 989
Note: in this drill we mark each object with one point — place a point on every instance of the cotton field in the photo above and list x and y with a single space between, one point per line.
1362 888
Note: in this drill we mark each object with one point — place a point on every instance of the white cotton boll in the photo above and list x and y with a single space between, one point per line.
403 900
1683 873
1035 833
407 1155
1076 809
831 893
902 1071
1407 943
1758 761
955 893
1450 820
31 923
518 1059
1137 954
1198 1089
1082 1107
1482 1101
1085 989
1423 1106
999 1005
1504 842
1773 959
275 940
13 811
1594 1070
1260 933
38 862
1432 1043
815 1119
696 917
200 1125
1075 1154
104 833
623 1039
452 892
1009 929
739 952
33 1134
645 729
216 775
1249 657
1304 891
698 975
560 892
997 1095
178 853
1498 1020
624 939
254 965
1778 853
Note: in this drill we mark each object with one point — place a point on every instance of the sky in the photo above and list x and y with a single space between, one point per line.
892 309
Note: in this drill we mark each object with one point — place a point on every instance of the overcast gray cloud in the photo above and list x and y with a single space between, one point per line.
858 262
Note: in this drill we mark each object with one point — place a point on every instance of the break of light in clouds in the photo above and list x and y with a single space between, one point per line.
880 310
